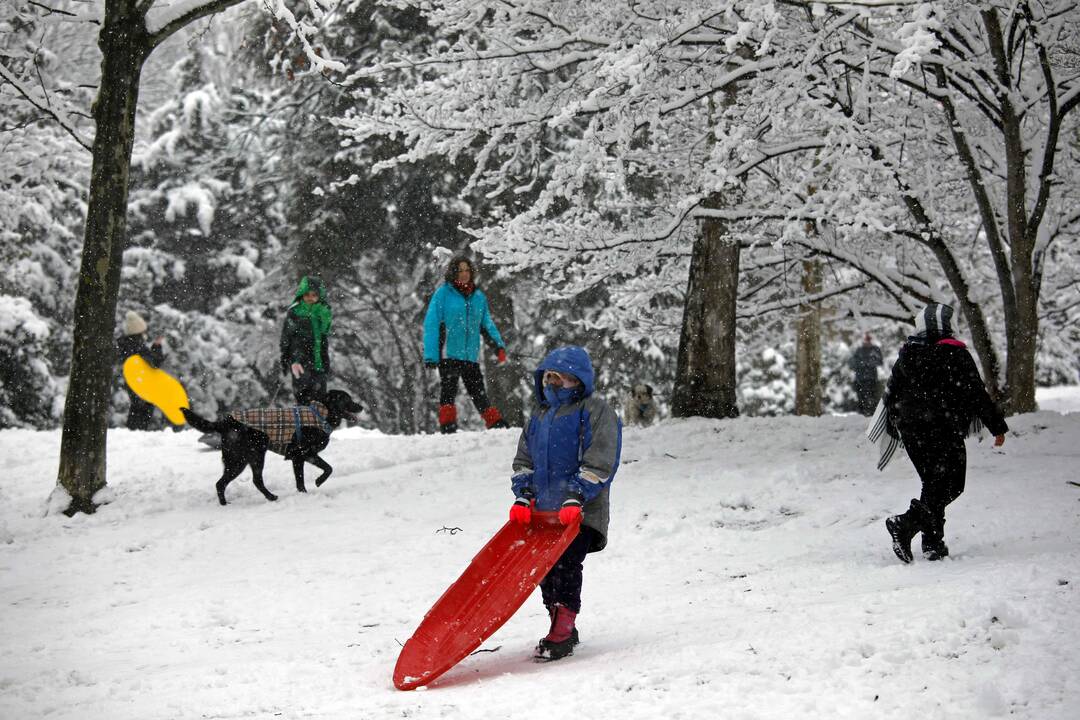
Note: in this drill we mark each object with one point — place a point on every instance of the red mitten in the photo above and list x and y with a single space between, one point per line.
500 357
570 512
521 511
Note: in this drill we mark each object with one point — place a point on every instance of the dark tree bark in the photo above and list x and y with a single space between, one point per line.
808 344
504 381
125 44
124 48
705 370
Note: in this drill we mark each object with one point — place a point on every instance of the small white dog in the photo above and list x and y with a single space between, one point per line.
639 407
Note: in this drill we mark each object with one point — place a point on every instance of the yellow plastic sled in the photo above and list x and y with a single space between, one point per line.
156 387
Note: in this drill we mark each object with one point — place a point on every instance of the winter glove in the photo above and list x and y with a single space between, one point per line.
521 485
500 357
521 511
570 512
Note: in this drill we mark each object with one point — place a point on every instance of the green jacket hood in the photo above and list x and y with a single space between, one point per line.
308 283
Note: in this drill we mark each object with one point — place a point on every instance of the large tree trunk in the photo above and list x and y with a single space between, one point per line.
705 371
82 448
504 381
1022 339
808 345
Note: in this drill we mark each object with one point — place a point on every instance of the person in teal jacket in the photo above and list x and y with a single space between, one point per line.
456 317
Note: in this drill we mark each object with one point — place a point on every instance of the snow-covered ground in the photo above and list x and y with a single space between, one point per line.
749 575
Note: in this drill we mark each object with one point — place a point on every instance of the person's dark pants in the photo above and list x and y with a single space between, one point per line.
469 372
562 584
140 414
868 392
309 387
940 458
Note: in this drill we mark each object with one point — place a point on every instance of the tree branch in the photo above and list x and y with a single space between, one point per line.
44 107
186 18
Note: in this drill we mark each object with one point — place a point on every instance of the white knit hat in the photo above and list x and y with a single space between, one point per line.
133 323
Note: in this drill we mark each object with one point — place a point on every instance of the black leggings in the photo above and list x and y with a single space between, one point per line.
562 584
940 458
309 387
469 372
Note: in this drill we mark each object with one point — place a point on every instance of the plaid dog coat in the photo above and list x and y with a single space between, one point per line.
281 424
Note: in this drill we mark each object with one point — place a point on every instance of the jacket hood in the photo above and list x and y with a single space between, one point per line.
571 359
308 283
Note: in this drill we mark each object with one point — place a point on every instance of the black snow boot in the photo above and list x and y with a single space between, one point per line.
933 542
902 529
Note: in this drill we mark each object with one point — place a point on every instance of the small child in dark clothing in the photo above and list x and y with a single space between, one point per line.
133 342
934 399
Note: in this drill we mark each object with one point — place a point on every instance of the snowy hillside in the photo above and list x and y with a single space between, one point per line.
748 576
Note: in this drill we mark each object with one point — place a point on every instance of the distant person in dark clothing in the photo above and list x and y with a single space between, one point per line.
864 363
133 342
934 399
305 341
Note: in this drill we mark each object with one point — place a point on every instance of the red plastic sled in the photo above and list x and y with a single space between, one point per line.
498 580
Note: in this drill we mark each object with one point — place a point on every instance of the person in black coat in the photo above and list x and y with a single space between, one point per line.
133 342
934 399
305 340
864 363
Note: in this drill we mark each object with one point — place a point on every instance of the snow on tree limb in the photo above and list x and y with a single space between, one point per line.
42 102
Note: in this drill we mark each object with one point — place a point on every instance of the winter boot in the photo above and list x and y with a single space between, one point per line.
902 529
933 542
493 419
447 419
551 626
561 638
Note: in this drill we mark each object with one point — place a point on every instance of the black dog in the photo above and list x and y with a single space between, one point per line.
247 435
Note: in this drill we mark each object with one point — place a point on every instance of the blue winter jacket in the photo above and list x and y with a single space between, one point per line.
570 446
457 321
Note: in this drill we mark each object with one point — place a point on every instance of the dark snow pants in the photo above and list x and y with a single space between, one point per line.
940 458
562 584
469 372
309 387
868 392
140 414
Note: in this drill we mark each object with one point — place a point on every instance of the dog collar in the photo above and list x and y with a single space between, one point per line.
318 416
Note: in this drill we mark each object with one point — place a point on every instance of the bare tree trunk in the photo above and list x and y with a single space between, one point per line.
705 371
504 381
1019 291
1022 342
808 345
82 449
125 45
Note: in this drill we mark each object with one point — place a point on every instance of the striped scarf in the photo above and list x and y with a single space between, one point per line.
882 431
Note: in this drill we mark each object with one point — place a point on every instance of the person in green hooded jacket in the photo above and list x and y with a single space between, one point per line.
305 341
